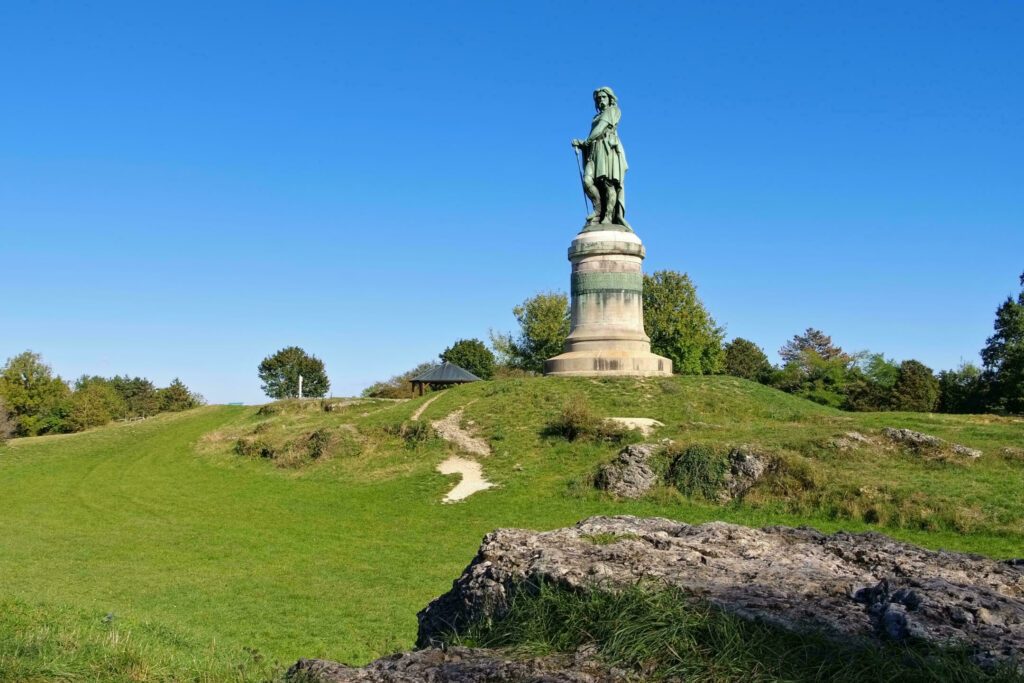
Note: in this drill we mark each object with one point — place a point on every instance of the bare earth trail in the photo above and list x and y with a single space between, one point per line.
419 411
450 429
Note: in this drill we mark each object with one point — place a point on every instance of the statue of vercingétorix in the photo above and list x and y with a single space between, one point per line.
604 162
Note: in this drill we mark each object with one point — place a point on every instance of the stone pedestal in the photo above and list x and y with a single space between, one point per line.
607 335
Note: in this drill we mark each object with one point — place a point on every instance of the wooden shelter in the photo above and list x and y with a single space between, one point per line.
443 374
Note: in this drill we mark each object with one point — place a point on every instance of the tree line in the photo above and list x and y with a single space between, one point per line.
682 329
34 401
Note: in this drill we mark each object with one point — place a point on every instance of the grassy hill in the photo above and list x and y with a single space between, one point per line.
172 549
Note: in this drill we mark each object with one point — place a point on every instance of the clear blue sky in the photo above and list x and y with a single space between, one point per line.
187 187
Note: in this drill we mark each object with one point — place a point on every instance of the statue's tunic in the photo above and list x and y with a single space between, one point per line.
605 156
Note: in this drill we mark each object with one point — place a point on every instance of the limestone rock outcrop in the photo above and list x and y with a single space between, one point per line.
460 665
630 475
865 585
919 440
746 467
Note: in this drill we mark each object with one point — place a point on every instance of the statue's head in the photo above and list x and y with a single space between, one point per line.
604 97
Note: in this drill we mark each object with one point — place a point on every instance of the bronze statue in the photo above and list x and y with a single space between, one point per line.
604 163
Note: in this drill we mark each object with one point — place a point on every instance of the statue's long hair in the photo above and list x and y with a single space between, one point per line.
613 101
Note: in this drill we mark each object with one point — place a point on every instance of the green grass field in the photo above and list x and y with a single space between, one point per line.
154 551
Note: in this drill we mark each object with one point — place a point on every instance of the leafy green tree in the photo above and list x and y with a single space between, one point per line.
471 355
916 388
679 326
822 380
92 404
35 398
870 382
177 397
744 358
962 390
280 374
1003 357
397 386
543 327
139 395
811 339
7 423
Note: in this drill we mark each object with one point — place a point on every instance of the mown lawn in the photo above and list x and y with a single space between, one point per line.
154 551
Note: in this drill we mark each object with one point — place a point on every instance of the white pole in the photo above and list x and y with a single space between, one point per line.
300 386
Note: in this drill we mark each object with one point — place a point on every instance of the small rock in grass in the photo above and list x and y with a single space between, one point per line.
851 440
972 453
918 440
909 437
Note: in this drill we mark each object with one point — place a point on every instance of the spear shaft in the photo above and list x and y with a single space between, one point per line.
579 167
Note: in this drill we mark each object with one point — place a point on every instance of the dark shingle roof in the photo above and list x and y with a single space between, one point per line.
446 373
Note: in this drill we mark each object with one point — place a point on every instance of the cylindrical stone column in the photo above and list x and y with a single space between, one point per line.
607 334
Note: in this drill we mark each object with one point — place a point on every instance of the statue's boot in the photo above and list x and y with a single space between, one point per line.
611 200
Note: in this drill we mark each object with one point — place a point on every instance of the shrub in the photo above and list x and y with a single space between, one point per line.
575 420
254 448
397 386
413 432
698 470
317 443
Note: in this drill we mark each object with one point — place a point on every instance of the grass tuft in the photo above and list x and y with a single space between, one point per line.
698 470
662 634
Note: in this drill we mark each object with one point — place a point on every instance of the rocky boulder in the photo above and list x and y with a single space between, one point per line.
746 467
864 585
460 665
921 441
630 475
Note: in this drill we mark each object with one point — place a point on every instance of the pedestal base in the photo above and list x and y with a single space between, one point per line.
611 362
607 331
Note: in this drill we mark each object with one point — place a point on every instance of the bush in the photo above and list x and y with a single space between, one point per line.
412 432
317 443
397 386
254 448
575 420
698 470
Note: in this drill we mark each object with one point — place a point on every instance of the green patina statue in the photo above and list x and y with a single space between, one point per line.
604 164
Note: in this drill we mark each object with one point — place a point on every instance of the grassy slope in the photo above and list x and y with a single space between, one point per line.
334 559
